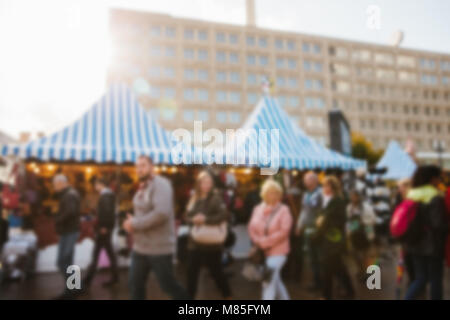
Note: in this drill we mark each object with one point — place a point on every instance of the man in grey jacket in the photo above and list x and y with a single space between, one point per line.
153 229
306 225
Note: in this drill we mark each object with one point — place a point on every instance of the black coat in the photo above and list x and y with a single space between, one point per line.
331 233
106 210
67 219
432 240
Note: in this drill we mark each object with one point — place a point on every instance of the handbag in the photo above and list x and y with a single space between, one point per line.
257 256
209 234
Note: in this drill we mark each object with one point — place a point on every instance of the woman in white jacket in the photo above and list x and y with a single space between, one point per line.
361 219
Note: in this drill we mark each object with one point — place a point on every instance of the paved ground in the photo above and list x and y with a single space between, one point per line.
46 286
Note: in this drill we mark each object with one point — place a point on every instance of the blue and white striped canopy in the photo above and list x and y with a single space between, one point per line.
398 163
115 129
293 148
329 158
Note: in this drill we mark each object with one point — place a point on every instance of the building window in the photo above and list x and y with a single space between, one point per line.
203 95
251 60
221 57
234 77
221 117
235 97
156 31
313 84
234 58
263 42
188 115
189 34
317 49
203 115
252 79
279 44
292 82
292 64
188 94
263 61
280 63
155 51
294 102
170 52
250 41
235 117
252 98
169 93
291 45
154 72
189 54
169 72
220 37
170 32
233 39
221 76
281 81
203 75
202 35
202 55
189 74
221 96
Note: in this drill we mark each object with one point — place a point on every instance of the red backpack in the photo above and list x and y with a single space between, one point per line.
404 221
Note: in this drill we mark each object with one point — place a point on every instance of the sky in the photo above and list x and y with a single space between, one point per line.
54 53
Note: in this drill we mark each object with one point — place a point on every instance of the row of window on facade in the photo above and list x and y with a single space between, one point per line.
234 39
339 51
415 127
373 107
307 47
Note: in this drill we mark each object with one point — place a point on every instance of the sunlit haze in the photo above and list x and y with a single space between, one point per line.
54 53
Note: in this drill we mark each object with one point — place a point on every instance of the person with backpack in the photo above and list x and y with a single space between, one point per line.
269 229
207 215
427 247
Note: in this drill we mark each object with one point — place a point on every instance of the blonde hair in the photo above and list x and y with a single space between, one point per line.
270 185
334 184
203 174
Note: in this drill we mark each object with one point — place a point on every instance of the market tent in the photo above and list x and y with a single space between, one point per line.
331 158
398 163
115 129
269 129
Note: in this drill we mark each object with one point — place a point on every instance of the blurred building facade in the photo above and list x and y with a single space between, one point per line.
185 70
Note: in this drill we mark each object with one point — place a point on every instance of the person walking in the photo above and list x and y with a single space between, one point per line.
206 212
269 229
361 220
428 250
330 235
106 215
311 206
153 229
67 224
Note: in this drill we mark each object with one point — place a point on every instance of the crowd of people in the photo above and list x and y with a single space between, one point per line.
335 225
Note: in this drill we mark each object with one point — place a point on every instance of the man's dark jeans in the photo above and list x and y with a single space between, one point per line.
427 269
162 265
66 251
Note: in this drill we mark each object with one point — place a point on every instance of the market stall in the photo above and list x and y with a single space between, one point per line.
104 141
269 130
397 162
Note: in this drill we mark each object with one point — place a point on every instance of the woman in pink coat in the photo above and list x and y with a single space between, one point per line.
269 230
